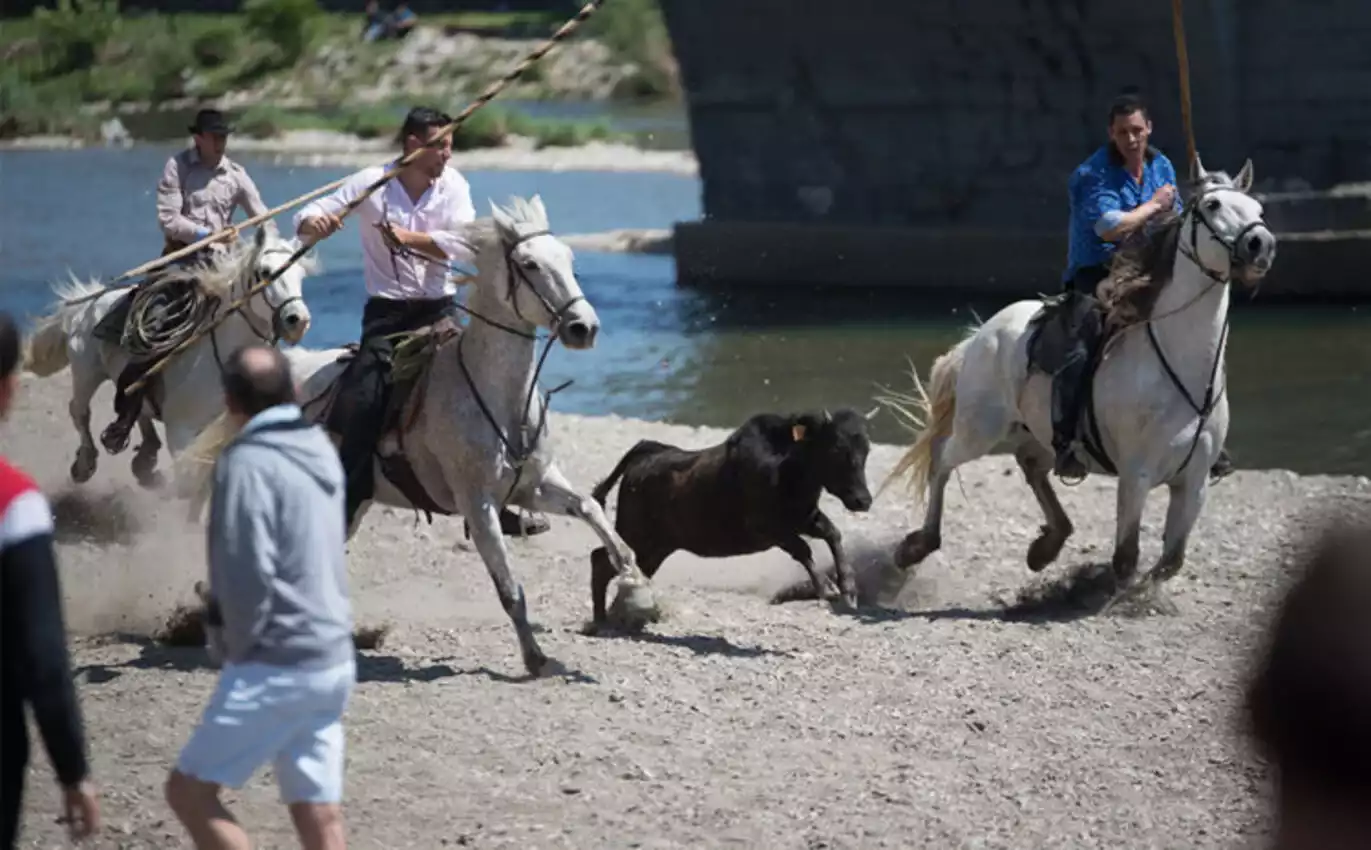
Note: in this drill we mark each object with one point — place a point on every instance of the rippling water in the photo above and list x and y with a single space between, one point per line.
1298 376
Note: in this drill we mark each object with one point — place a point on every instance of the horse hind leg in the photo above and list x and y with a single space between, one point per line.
87 456
976 431
1036 463
144 463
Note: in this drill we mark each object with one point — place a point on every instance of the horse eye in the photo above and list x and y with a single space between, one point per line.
531 265
1212 204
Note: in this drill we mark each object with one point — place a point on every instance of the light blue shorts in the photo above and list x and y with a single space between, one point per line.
260 713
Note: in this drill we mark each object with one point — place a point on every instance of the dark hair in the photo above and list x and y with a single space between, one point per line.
419 120
1128 102
256 377
9 345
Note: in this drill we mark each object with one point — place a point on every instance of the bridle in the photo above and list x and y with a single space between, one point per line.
515 276
274 337
1204 408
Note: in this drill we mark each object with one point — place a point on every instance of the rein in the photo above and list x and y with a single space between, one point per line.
1203 408
516 276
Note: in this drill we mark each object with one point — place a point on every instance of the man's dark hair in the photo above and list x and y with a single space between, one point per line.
420 120
1128 102
9 345
256 377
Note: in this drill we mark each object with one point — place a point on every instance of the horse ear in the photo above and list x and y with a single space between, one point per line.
1197 172
537 203
259 239
1243 182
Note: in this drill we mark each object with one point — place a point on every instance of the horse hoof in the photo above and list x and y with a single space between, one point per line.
634 607
537 664
1043 551
83 467
153 480
914 548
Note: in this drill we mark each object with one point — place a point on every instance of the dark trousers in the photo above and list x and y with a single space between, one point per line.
360 409
14 759
1084 328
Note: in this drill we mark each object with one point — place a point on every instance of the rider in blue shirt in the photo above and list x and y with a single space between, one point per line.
1114 193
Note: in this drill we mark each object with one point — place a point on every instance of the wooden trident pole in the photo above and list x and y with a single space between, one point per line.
489 94
1183 60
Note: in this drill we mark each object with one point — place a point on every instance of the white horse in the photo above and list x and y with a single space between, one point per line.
190 396
473 427
1159 399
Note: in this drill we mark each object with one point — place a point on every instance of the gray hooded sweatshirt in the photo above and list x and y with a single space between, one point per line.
277 567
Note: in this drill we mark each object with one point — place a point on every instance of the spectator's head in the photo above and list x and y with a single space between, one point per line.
1308 704
256 377
11 351
421 125
1130 125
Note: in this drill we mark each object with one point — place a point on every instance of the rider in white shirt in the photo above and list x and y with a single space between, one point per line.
421 211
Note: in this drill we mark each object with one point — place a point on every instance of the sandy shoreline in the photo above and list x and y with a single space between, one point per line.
937 722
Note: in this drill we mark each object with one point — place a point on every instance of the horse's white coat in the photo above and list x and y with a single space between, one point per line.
190 394
982 392
453 447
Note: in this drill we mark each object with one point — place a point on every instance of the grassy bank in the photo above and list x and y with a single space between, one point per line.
63 69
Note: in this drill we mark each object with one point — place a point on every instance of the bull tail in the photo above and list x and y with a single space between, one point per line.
601 491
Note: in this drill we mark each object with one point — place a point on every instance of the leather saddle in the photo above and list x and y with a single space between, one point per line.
409 367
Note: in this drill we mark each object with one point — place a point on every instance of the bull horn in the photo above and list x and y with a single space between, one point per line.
871 414
828 417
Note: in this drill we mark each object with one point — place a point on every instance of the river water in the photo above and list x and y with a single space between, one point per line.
1298 376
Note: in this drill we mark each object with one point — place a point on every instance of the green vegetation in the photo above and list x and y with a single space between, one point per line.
491 126
63 67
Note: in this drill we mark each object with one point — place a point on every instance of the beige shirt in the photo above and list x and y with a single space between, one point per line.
194 200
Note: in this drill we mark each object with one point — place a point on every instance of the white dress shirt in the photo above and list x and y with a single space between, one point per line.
441 211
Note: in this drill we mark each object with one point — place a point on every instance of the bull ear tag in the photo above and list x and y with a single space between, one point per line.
797 432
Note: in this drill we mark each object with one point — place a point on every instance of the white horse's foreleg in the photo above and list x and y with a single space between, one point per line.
1187 497
1131 500
483 519
554 494
145 457
87 457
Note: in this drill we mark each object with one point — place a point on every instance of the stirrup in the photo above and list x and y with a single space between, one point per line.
1067 479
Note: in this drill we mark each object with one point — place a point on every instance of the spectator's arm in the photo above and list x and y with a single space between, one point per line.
32 600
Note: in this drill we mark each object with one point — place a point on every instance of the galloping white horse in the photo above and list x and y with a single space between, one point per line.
479 436
1159 399
190 395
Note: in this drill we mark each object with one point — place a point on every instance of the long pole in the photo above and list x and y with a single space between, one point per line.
1183 60
491 91
489 94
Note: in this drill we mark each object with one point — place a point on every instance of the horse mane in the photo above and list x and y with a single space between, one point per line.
1144 262
527 216
216 279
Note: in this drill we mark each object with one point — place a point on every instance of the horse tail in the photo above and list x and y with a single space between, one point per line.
195 464
601 491
44 351
928 416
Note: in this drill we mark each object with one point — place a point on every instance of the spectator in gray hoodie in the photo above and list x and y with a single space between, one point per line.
278 614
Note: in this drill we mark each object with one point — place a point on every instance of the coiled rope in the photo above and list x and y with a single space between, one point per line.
163 315
488 95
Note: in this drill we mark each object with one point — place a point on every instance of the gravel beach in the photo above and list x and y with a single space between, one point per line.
957 715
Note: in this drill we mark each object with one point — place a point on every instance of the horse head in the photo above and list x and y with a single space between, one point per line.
539 285
1227 235
282 302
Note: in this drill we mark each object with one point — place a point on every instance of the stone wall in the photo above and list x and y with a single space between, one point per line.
973 112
